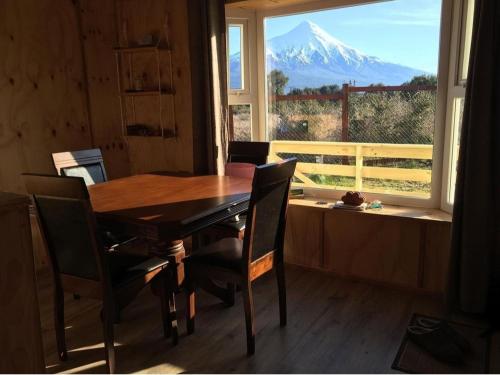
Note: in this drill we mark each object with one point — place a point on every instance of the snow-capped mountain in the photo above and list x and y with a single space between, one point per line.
310 57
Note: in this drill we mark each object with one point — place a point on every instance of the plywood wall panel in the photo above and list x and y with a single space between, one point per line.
140 18
20 332
42 89
437 256
304 237
99 36
372 247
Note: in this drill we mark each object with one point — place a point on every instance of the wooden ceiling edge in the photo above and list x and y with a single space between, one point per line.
263 4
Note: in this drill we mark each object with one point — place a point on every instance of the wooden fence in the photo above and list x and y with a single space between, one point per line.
359 151
343 96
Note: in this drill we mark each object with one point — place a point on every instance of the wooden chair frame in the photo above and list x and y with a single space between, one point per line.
113 298
199 274
69 159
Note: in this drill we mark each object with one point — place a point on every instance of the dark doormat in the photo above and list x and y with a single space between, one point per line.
414 360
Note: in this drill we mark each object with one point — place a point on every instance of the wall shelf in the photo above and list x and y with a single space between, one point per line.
133 83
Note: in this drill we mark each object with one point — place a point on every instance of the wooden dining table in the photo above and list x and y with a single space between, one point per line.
166 209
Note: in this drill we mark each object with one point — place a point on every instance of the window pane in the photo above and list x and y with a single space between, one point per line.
458 112
235 57
465 40
240 117
352 94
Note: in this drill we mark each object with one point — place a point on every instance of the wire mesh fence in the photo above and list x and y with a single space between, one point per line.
399 115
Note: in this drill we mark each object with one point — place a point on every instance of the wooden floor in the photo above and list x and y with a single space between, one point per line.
334 325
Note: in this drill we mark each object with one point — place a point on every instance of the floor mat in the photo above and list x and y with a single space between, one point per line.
412 359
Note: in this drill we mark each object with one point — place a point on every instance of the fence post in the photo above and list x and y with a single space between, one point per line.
345 112
359 168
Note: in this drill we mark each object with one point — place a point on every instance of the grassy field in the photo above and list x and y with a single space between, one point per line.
373 184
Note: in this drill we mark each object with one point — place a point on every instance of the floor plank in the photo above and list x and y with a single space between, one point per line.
334 325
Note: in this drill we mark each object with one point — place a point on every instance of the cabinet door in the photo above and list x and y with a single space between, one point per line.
20 333
379 248
304 237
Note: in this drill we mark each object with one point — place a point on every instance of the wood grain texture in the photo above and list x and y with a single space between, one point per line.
396 246
162 206
148 17
334 326
264 4
20 330
98 35
372 247
42 88
437 254
39 250
304 237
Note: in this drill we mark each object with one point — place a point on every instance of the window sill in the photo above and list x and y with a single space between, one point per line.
428 214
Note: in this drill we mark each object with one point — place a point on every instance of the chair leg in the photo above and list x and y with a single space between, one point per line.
280 275
248 305
59 321
109 339
173 317
190 305
165 309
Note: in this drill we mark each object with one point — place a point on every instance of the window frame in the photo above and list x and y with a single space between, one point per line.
248 95
456 90
259 127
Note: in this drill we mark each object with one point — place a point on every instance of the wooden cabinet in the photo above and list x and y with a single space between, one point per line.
403 247
20 333
303 237
373 247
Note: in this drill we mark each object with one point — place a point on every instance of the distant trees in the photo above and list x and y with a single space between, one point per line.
277 82
374 117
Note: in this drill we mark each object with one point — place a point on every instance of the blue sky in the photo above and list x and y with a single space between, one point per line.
404 32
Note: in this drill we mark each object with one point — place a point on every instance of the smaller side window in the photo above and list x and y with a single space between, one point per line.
235 58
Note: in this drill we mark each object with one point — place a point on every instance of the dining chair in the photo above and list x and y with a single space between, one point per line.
87 164
248 152
240 152
82 265
241 262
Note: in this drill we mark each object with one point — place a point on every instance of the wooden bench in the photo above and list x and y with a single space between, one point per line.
402 247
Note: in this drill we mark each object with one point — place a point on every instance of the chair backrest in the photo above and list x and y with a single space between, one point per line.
265 225
67 223
242 170
248 152
87 164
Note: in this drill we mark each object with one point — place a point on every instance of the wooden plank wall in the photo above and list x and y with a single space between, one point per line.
148 17
58 88
405 252
20 331
42 87
98 36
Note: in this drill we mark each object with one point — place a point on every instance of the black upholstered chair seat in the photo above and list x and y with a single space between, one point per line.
125 268
226 253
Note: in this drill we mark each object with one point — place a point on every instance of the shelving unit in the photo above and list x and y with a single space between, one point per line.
128 90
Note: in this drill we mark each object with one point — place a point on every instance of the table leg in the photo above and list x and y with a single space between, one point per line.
173 251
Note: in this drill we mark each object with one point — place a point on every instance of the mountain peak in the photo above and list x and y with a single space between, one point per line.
310 28
307 39
310 57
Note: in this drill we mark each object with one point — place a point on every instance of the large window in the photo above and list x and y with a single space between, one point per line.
368 95
352 93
